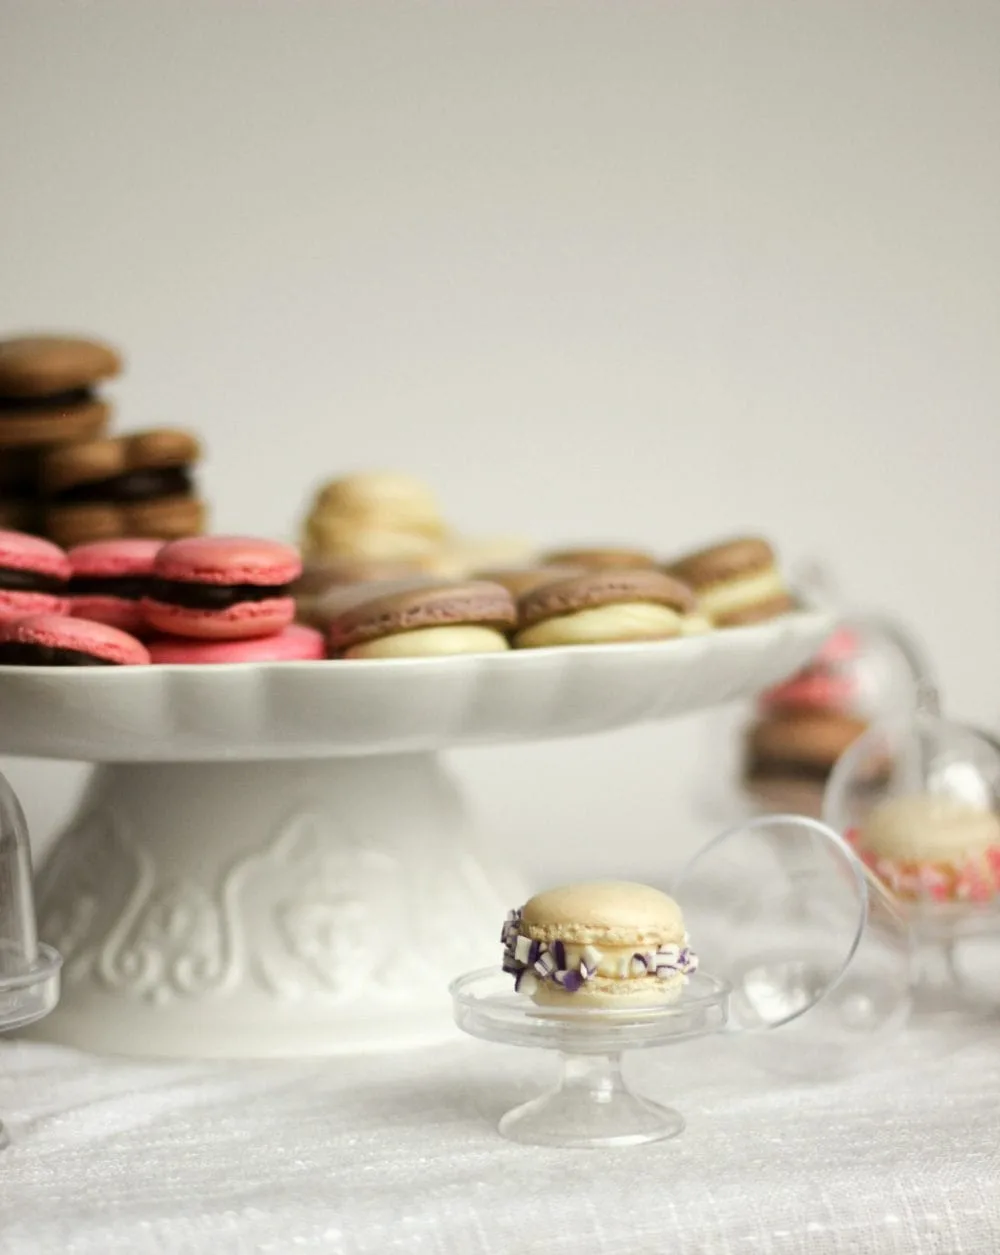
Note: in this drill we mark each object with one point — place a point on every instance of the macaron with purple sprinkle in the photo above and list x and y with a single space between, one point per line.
607 944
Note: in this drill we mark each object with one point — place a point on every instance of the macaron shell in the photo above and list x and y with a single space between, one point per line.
43 365
21 552
818 690
723 561
80 635
15 605
112 558
294 644
229 560
618 912
122 613
242 621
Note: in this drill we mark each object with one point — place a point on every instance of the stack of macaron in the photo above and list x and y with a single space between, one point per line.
48 399
134 485
207 599
61 475
381 516
385 525
801 728
37 626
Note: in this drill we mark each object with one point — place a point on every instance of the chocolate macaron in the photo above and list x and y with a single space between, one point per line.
790 754
135 485
46 389
736 582
428 619
603 607
601 558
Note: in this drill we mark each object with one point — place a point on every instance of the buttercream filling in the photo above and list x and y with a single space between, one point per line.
431 641
639 620
734 595
571 966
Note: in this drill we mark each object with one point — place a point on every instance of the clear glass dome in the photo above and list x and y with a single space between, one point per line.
918 798
868 670
29 971
817 954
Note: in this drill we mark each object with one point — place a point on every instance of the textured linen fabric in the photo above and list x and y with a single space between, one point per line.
398 1153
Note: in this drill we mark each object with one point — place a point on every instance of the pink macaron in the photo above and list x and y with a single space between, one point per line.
222 588
296 643
815 689
33 576
109 577
53 640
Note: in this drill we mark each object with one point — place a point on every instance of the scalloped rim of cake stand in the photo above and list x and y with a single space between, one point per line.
272 711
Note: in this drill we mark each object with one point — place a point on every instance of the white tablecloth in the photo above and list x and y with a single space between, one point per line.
399 1153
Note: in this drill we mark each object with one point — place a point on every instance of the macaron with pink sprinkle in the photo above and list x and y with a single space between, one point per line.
33 576
222 588
109 577
54 640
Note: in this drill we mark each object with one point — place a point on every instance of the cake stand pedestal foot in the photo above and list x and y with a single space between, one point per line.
591 1106
266 908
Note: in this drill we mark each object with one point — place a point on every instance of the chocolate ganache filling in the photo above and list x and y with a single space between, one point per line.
55 401
27 654
147 485
213 596
15 580
128 587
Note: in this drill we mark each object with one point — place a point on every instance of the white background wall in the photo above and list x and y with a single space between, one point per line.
624 270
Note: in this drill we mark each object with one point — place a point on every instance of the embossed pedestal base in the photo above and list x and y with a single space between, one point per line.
265 909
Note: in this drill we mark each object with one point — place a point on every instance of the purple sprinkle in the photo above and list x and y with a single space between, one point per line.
640 958
545 965
571 981
559 953
535 951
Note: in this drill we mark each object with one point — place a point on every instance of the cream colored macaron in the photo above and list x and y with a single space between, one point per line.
609 944
925 826
382 501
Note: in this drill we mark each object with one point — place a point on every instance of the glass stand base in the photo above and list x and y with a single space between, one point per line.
591 1107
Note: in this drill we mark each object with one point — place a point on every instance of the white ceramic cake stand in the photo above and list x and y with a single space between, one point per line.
270 859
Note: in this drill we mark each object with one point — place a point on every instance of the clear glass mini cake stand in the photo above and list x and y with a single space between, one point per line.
29 972
590 1105
812 963
956 926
